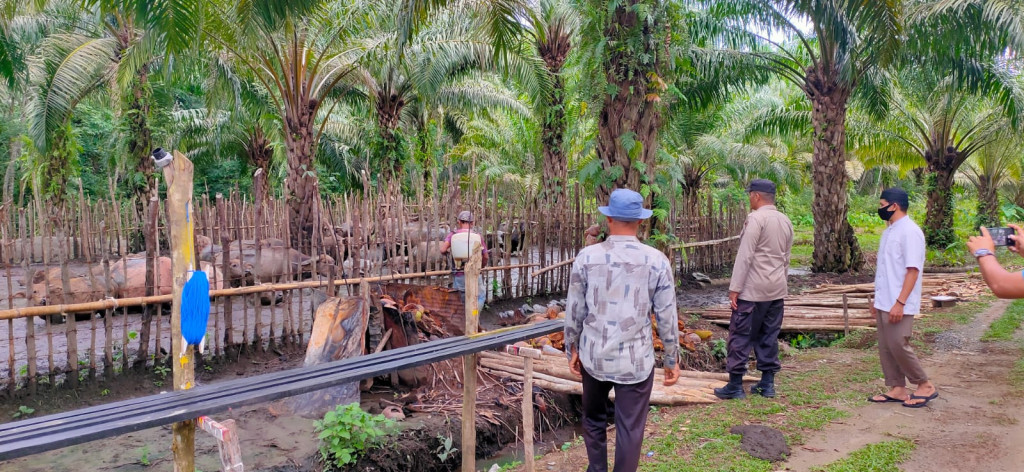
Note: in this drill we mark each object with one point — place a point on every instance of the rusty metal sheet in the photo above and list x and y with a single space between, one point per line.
444 304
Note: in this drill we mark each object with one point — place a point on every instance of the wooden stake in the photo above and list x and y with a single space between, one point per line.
472 271
846 316
182 222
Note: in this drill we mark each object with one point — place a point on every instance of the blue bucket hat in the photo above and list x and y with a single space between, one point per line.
625 205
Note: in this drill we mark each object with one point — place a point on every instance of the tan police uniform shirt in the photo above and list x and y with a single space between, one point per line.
762 263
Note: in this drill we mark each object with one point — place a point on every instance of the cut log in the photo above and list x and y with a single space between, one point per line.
338 333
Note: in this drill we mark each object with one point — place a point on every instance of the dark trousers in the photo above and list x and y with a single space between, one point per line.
755 325
631 407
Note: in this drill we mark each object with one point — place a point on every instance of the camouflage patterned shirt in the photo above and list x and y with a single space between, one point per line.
613 288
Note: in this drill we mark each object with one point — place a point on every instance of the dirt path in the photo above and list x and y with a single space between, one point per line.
973 425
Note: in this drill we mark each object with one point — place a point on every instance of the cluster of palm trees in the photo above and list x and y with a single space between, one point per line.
667 96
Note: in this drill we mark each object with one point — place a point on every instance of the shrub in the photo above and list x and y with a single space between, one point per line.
348 431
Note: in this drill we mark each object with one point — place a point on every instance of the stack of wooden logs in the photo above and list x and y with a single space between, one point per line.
932 284
552 373
811 313
823 308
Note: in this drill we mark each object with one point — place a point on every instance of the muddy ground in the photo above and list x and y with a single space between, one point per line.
286 443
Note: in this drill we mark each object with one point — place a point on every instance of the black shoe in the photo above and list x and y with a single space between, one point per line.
732 390
767 391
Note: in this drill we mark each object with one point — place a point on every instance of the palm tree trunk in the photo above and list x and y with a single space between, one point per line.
988 203
389 111
140 144
835 244
938 223
302 185
626 112
552 139
260 152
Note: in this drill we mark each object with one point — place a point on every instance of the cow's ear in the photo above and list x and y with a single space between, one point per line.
38 277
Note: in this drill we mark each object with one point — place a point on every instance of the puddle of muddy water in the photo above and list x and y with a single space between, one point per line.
544 443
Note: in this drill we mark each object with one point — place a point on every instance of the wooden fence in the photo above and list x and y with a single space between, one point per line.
378 232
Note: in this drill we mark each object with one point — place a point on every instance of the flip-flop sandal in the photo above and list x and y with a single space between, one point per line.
921 397
887 398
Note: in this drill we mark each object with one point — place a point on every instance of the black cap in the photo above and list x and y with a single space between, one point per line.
761 185
896 195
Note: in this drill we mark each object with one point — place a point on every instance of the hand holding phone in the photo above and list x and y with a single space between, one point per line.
1003 236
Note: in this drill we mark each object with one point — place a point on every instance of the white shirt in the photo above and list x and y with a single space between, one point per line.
902 247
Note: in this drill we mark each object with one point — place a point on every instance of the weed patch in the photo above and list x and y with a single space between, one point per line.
881 457
1003 328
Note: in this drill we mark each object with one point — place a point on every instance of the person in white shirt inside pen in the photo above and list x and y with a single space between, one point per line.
901 255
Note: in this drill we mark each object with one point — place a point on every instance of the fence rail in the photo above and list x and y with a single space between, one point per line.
79 257
46 433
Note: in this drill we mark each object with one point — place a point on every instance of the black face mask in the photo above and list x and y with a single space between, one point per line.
885 214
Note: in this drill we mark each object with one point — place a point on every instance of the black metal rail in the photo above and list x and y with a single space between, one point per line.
32 436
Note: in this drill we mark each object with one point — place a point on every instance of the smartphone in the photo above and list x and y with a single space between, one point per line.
1003 236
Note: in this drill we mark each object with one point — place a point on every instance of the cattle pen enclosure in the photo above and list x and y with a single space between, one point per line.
90 256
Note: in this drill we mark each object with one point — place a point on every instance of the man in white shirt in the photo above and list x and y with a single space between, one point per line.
901 255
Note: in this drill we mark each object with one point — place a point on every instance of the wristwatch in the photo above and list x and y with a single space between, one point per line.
982 253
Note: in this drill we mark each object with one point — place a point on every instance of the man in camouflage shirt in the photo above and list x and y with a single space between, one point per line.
613 289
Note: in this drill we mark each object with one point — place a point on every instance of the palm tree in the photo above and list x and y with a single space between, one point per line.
935 121
989 170
299 53
850 40
440 68
630 52
553 28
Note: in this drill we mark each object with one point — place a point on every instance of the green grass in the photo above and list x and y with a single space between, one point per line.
699 439
803 243
1017 374
1003 328
881 457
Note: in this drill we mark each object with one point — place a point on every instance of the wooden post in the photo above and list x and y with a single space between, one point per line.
846 316
472 271
226 435
528 355
178 175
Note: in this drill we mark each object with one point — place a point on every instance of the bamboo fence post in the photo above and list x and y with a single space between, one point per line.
846 316
240 235
225 241
71 325
178 176
13 373
472 271
108 324
30 327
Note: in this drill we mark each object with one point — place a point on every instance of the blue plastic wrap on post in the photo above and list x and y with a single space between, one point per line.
195 307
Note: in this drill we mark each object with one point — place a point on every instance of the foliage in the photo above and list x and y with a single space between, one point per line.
23 411
879 457
719 349
1004 328
445 449
348 431
812 340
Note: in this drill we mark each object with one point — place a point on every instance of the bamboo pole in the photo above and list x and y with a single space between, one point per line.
472 271
182 222
100 305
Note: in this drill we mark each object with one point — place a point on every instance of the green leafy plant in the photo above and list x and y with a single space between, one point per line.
23 411
132 335
348 431
161 370
719 349
104 392
445 450
144 457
